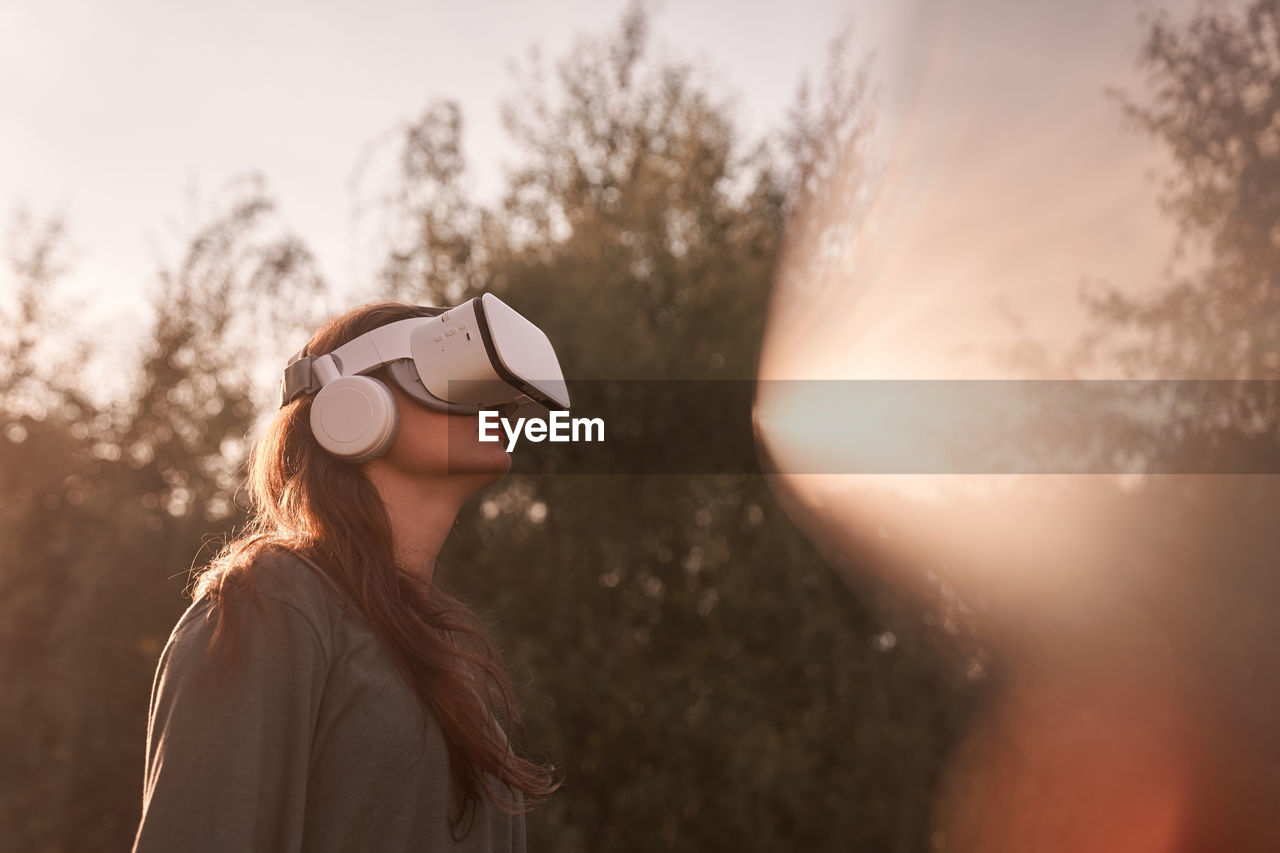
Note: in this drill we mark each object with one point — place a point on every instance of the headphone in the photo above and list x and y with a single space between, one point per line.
355 418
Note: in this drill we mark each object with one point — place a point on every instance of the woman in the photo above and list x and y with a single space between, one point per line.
320 693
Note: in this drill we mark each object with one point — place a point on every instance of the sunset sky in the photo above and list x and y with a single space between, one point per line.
1008 176
109 112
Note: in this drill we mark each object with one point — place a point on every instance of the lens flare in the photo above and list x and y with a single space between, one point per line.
1008 215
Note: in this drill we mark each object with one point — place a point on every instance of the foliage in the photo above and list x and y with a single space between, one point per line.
107 506
704 681
1213 102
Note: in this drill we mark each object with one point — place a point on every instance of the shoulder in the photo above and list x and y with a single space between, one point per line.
290 578
273 584
261 637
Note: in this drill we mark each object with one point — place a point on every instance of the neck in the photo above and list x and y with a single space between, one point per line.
422 513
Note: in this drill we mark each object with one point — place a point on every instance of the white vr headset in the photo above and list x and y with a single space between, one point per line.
479 355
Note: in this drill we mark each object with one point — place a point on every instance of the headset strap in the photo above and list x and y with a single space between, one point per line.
298 379
367 352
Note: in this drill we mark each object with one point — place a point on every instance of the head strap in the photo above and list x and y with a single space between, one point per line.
298 379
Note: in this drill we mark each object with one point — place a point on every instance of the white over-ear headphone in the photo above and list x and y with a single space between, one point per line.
355 418
352 417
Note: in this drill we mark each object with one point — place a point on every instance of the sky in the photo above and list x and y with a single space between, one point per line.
113 113
1008 176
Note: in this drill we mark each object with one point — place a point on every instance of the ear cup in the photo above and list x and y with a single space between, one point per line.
355 418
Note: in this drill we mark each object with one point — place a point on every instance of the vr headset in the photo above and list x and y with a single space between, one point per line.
479 355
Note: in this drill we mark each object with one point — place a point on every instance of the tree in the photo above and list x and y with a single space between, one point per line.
1190 616
113 502
706 681
1214 103
1215 95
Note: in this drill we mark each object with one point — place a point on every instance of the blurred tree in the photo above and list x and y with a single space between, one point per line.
705 680
110 501
42 460
1214 101
1214 104
1196 606
430 228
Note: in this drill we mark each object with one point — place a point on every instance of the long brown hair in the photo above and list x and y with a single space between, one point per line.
324 509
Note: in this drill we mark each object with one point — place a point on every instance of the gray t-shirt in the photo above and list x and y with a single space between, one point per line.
315 744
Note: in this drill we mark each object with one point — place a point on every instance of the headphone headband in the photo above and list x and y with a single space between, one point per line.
373 348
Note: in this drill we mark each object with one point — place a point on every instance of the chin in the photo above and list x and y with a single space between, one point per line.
482 463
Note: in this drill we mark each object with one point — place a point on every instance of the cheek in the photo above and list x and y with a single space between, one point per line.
433 444
421 445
